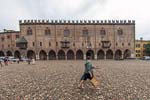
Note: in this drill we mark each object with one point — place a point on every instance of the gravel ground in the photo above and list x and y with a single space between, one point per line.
58 80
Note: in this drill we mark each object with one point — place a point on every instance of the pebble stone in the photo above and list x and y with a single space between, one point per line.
58 80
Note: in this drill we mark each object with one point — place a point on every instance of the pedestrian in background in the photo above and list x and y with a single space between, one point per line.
29 61
6 61
1 63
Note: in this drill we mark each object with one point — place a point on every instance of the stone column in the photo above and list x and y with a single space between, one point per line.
122 56
65 57
47 57
37 57
23 53
95 57
104 56
74 57
114 55
84 56
56 57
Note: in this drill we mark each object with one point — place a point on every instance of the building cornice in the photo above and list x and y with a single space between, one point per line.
77 22
10 32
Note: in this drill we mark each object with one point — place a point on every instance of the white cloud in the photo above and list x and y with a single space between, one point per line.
13 10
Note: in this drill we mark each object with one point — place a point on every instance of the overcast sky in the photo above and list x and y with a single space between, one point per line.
11 11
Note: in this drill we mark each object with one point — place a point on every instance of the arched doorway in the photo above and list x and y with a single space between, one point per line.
42 55
109 54
52 55
127 54
118 54
31 54
61 55
2 53
100 54
90 53
9 53
79 55
70 55
17 54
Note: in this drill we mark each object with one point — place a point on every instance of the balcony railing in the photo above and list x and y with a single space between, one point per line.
65 44
106 44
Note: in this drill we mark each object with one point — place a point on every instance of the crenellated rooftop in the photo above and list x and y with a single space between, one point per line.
121 22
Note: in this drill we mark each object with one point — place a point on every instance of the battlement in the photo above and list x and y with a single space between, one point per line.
124 22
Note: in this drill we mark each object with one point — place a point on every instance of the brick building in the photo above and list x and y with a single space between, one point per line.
65 39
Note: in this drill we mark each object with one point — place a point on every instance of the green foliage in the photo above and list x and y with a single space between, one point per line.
147 49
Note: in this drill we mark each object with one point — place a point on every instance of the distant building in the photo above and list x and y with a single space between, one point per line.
8 42
140 47
108 39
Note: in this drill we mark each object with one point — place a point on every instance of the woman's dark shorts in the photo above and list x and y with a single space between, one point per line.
86 76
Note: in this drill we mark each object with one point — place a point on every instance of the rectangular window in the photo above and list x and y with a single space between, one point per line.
144 45
40 43
120 32
17 36
49 43
85 33
8 37
66 33
138 51
138 45
102 32
29 31
33 44
73 44
2 39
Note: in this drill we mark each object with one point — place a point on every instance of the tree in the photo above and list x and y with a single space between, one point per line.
147 49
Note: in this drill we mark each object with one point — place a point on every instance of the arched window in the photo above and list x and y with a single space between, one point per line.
47 31
66 33
29 31
85 32
102 31
120 31
2 39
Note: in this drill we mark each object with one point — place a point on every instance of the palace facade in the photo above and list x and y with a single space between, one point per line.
70 39
140 46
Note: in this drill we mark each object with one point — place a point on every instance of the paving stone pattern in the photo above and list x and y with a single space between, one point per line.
58 80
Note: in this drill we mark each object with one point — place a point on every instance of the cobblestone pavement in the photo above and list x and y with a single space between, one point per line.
58 80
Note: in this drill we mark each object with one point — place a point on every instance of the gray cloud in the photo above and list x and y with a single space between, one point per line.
13 10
